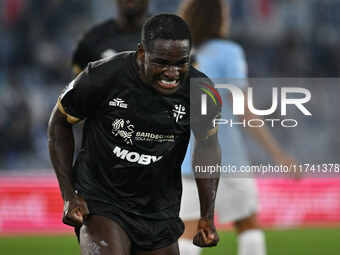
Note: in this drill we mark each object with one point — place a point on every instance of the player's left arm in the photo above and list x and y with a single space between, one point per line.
206 152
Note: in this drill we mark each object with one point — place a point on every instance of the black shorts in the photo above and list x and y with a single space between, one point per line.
145 233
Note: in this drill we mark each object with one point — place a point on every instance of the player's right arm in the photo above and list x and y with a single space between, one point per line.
78 100
61 148
207 152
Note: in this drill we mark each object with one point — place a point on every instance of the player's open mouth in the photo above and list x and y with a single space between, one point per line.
168 84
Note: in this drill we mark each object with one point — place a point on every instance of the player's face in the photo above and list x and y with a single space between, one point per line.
132 7
166 66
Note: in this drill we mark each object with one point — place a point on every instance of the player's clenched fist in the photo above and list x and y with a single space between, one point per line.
75 211
206 234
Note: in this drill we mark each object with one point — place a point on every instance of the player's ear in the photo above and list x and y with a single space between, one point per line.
140 53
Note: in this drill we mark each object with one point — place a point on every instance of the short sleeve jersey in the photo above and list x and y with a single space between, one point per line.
134 139
104 40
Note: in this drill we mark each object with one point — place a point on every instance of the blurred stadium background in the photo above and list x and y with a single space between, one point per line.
281 38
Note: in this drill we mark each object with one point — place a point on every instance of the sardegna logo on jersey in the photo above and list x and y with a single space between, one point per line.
242 104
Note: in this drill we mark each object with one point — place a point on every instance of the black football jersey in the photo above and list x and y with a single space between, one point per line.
104 40
134 139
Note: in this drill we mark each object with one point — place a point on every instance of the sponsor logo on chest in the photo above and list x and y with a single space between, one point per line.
124 129
150 137
135 157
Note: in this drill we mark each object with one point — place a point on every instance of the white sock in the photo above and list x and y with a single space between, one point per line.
186 247
252 242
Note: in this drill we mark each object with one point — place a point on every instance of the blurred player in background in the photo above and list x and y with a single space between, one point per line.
237 197
114 35
109 38
123 192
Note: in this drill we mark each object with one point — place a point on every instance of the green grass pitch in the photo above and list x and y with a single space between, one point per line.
279 242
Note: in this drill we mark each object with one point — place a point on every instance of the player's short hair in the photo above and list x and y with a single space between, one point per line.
164 26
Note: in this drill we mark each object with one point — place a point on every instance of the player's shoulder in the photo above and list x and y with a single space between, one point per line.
197 78
195 73
114 66
103 73
113 62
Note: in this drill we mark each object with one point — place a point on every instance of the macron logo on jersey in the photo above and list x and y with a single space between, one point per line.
135 157
117 102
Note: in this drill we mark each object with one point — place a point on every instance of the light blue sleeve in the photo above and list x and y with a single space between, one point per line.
218 59
186 165
222 59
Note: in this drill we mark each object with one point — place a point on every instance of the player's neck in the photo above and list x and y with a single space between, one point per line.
140 71
131 23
